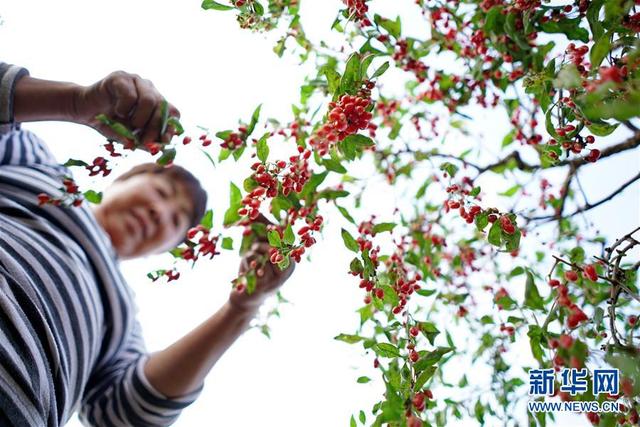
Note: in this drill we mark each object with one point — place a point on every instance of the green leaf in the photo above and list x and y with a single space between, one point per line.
274 239
394 28
117 127
93 196
492 18
164 114
482 220
345 213
74 162
363 380
426 292
602 128
549 124
511 191
429 330
227 243
512 240
214 5
532 298
333 78
386 350
174 122
207 220
289 237
254 120
360 140
431 358
258 8
449 168
362 417
334 166
424 377
224 154
593 17
235 202
349 241
313 183
349 83
383 226
352 422
599 50
349 339
167 157
569 27
380 71
568 77
513 33
263 148
356 266
495 234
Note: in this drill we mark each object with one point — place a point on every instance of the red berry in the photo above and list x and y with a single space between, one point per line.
590 272
571 276
565 341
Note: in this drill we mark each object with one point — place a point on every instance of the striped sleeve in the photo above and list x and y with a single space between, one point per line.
9 76
119 393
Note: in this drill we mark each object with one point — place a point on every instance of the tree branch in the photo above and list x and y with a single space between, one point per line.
629 144
588 206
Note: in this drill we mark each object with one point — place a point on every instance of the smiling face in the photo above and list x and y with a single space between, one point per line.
145 214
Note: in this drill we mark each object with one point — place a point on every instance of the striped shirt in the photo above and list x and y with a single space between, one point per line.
69 339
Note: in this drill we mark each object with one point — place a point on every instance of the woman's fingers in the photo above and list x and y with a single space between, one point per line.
124 93
146 104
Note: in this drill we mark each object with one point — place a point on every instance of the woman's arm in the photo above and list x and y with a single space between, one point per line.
182 367
38 100
124 97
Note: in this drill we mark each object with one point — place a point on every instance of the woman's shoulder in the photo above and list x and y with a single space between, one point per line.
21 147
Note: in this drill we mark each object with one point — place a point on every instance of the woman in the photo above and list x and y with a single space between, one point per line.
69 339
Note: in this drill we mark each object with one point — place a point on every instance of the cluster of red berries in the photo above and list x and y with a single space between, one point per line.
277 255
524 5
205 244
509 330
506 224
235 139
99 166
409 64
613 74
71 195
632 22
345 118
251 203
267 176
171 275
469 215
298 172
520 122
204 140
576 315
419 400
359 9
110 147
577 57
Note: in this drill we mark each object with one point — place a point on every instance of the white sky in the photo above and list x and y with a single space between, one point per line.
215 73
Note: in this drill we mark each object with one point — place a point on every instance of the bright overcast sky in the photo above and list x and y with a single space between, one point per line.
215 73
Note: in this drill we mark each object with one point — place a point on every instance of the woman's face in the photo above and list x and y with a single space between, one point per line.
145 214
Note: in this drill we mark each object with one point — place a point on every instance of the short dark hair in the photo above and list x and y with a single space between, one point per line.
174 172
